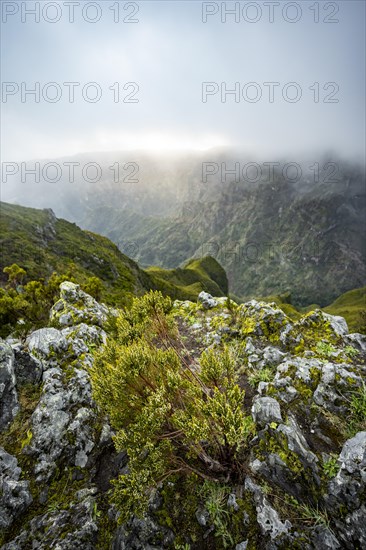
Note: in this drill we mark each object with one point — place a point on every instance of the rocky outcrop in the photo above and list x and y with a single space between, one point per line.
207 300
75 306
74 527
67 442
8 395
304 479
15 496
346 493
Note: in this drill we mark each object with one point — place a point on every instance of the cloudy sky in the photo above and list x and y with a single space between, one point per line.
313 52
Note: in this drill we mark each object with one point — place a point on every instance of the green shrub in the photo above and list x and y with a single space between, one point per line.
173 416
25 307
331 466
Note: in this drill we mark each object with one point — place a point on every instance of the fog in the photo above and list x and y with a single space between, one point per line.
184 76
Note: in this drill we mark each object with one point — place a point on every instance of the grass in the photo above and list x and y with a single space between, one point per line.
352 306
357 415
187 282
29 241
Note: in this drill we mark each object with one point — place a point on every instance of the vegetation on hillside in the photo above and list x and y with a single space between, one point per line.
352 306
270 237
40 251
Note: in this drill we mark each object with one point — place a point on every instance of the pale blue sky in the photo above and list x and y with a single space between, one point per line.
169 53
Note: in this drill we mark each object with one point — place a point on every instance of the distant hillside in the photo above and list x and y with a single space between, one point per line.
270 238
351 306
205 273
40 243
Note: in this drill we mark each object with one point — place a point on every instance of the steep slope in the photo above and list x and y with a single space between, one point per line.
270 237
351 306
203 274
41 244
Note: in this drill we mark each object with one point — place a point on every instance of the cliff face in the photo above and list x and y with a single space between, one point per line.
270 237
303 482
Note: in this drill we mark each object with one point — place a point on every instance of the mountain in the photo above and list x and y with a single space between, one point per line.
272 234
271 237
147 184
40 243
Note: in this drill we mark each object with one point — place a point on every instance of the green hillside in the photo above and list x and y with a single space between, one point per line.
40 243
352 306
203 274
270 238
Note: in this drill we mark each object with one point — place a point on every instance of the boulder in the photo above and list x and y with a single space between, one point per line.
15 496
28 369
76 306
266 410
207 301
8 396
47 344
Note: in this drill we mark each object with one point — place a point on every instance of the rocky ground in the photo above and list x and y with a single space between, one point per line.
306 472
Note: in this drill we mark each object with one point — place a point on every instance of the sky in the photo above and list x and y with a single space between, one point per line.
171 63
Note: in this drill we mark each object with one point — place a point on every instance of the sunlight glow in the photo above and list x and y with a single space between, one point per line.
158 142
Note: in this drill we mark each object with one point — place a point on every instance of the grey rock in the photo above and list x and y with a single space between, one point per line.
348 486
353 454
63 422
28 369
267 517
266 410
207 301
8 396
15 496
46 344
76 306
231 502
324 538
354 528
242 545
63 530
262 388
334 388
271 357
298 445
142 534
202 516
249 346
303 369
330 387
274 469
269 314
357 340
82 336
338 323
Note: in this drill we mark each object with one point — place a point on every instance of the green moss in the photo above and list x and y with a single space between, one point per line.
273 441
19 432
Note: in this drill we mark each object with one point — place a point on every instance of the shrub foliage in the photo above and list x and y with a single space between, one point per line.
173 415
